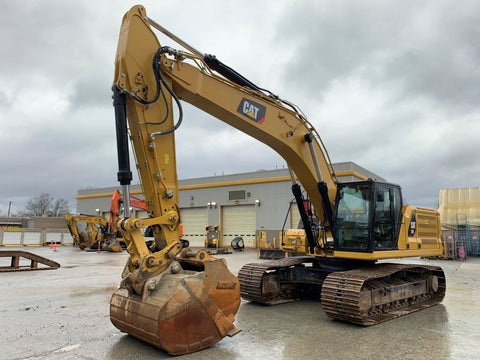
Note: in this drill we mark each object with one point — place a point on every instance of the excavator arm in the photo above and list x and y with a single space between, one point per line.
169 296
149 79
154 75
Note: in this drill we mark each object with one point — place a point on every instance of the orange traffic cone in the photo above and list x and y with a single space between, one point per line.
51 245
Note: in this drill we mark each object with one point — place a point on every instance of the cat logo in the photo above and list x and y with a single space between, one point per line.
252 110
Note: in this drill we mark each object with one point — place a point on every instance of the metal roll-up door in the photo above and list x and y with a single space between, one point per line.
294 216
238 221
194 221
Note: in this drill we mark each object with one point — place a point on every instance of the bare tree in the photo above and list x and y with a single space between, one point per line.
39 205
21 213
45 205
60 207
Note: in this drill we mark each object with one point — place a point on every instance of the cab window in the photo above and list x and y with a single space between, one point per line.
352 217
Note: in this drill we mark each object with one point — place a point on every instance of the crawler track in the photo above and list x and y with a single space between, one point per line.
256 284
366 295
371 295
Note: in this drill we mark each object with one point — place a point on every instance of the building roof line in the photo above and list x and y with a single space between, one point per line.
226 183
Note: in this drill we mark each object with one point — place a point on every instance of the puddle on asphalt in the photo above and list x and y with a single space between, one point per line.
87 291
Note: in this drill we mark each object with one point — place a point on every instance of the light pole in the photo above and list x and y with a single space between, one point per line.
9 206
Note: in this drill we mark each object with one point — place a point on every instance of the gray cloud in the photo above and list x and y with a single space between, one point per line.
396 86
428 49
391 86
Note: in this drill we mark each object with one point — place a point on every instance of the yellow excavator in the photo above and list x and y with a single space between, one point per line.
99 232
182 301
92 235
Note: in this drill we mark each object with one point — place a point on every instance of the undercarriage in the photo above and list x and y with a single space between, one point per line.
358 292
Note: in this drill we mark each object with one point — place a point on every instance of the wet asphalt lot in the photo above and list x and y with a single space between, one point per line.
64 314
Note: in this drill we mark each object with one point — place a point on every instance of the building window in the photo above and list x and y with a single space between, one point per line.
236 195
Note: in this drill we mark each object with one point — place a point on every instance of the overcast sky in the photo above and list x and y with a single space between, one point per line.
393 86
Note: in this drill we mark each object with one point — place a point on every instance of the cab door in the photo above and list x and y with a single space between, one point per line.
387 216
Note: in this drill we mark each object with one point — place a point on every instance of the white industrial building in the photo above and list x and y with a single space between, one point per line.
251 205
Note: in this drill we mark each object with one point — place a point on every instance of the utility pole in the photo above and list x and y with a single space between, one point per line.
9 206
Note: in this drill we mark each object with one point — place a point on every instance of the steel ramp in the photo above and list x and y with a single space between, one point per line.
35 260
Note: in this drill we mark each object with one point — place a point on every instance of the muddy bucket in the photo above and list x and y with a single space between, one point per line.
187 311
85 241
111 244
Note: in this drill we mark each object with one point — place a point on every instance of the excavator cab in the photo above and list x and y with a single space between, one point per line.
367 216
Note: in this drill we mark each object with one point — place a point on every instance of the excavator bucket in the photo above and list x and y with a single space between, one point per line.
191 307
85 241
111 244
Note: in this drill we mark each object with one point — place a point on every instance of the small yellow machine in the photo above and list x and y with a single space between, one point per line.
94 233
183 302
99 232
211 241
